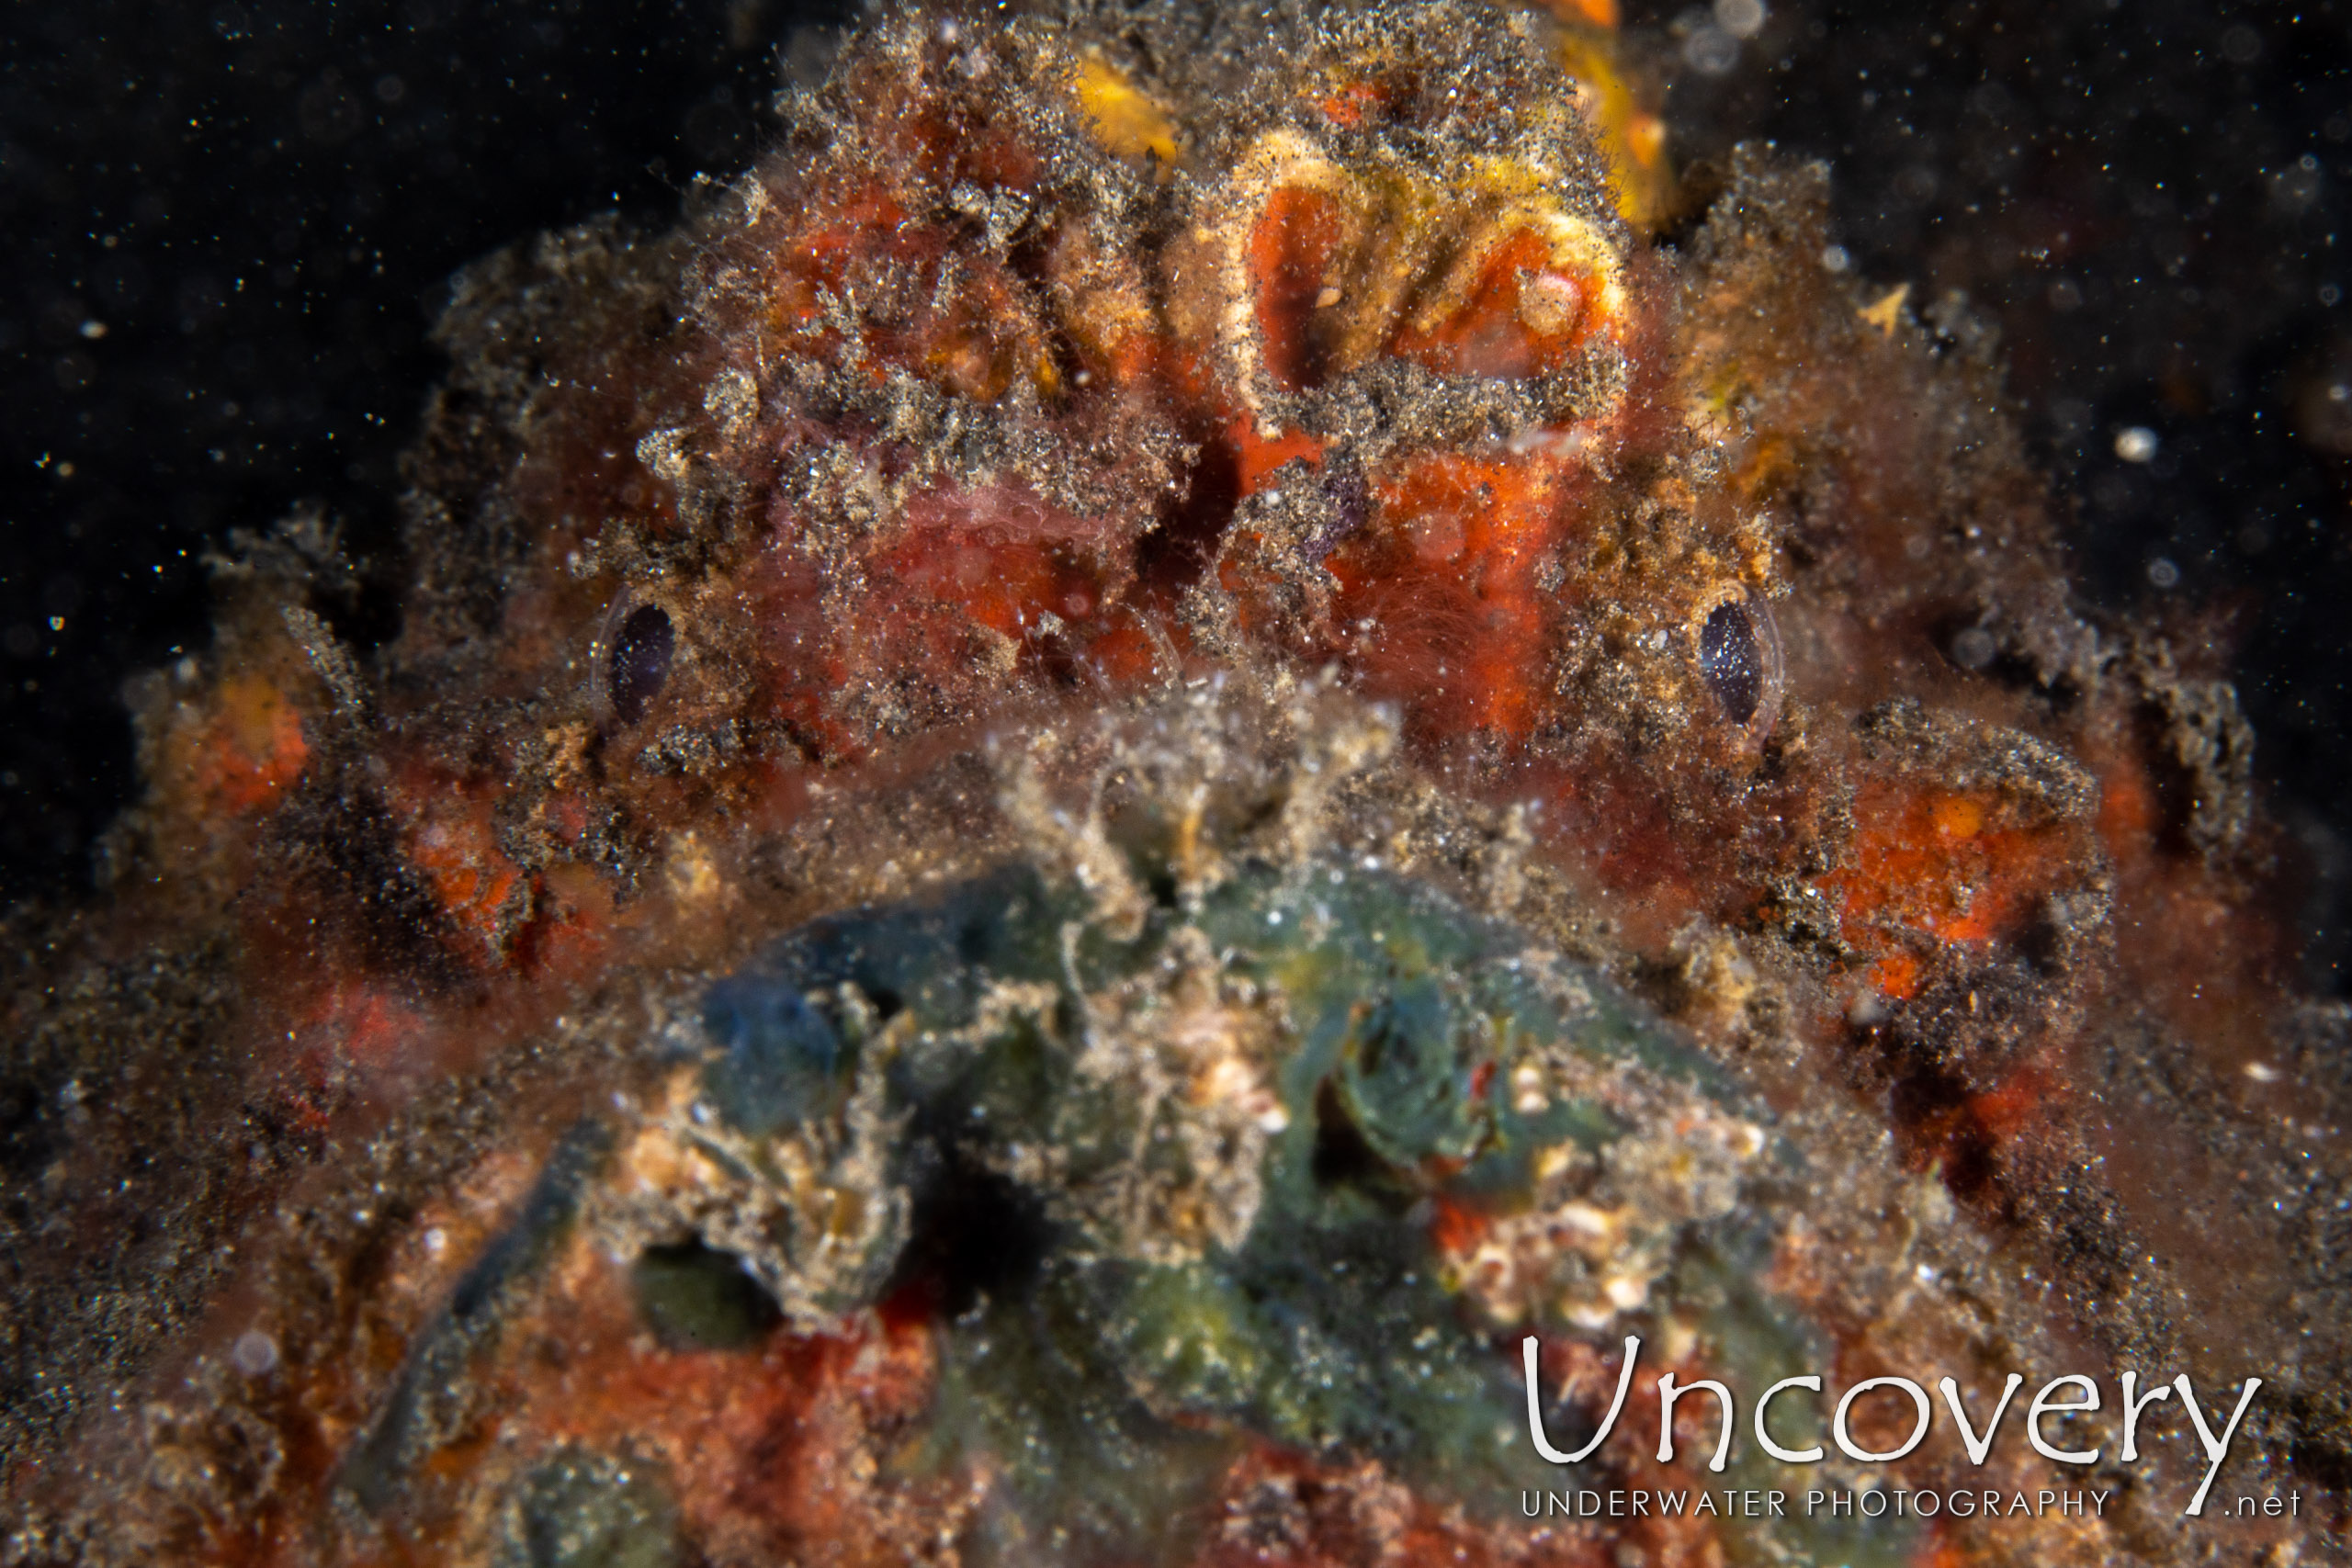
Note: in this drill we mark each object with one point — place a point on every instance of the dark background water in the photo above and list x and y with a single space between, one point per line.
228 226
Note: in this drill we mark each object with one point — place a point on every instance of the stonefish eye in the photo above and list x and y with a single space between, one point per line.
1739 656
638 662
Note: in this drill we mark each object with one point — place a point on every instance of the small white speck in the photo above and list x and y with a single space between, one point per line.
2262 1072
436 1242
2164 574
2135 444
1834 258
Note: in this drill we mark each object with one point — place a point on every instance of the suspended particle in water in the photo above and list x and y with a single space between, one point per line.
255 1353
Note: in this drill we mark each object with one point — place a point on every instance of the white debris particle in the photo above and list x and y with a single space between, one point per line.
255 1353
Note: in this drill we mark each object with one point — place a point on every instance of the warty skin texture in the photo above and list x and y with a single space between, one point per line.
1297 399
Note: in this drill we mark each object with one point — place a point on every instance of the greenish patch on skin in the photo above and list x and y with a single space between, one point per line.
583 1510
696 1298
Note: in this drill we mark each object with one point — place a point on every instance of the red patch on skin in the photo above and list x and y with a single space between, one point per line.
1896 976
1292 253
1359 103
1000 557
774 1443
1124 654
1491 332
449 835
364 1025
1448 577
775 1447
1965 1138
1257 457
1456 1228
2018 1099
860 220
1950 865
244 751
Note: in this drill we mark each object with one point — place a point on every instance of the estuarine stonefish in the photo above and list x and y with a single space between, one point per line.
1194 726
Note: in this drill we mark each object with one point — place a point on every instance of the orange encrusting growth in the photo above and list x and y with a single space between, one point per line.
1948 868
1596 13
450 838
240 753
